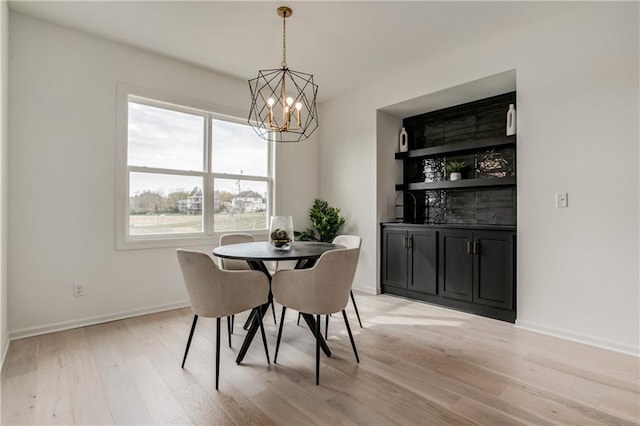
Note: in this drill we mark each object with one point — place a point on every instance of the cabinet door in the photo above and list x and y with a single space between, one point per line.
423 261
493 275
394 258
456 264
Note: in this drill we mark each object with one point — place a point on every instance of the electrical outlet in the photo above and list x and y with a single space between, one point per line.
78 289
562 200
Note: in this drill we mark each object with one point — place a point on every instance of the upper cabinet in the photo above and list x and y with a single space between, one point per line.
469 140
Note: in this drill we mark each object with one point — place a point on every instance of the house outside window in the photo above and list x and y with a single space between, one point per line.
186 175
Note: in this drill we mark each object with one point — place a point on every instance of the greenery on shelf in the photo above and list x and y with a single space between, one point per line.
455 166
326 222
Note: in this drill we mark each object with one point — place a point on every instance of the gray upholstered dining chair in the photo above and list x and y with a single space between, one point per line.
235 238
320 290
349 241
235 265
216 293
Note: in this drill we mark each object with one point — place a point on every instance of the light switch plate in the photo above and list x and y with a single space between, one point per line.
562 200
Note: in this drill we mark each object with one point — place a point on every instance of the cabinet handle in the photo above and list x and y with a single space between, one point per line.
476 248
405 244
410 242
468 247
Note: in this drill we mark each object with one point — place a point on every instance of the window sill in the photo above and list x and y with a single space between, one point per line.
179 241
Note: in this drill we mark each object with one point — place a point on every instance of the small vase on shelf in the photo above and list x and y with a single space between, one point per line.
404 141
511 120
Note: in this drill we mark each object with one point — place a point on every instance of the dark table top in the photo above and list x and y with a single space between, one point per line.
263 250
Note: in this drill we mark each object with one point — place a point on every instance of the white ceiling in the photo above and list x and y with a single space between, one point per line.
344 44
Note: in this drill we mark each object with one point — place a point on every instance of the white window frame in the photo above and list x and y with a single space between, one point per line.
125 241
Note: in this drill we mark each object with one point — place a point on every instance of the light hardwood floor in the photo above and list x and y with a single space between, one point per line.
420 365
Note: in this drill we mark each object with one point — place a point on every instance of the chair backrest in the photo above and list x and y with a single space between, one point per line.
236 238
214 292
349 241
322 289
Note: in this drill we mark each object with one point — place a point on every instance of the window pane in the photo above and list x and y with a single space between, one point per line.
165 139
238 149
239 205
164 204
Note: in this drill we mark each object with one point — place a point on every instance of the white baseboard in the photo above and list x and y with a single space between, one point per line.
83 322
577 337
4 353
367 290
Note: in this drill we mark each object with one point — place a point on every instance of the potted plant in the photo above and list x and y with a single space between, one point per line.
454 168
326 222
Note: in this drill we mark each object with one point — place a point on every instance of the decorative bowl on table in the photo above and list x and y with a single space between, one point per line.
281 232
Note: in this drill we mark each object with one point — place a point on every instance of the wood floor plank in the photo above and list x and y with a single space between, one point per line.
127 406
240 409
551 410
420 364
305 398
127 345
281 410
181 421
21 357
200 408
88 400
53 398
158 398
484 415
19 399
622 405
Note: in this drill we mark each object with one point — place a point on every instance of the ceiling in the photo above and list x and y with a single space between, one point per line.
344 44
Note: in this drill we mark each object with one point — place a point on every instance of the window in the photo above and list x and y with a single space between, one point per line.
187 174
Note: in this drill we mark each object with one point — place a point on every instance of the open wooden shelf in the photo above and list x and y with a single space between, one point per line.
457 147
463 183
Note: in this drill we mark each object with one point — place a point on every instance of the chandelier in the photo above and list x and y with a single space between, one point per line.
283 101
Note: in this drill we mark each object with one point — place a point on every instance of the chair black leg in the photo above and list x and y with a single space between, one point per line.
229 329
233 322
353 299
326 326
264 337
353 342
193 328
217 350
247 323
318 349
273 310
299 315
275 358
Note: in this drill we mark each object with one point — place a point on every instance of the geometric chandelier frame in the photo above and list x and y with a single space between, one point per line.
283 101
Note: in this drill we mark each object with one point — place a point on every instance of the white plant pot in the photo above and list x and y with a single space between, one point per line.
455 176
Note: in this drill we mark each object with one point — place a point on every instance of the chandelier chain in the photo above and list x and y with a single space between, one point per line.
284 41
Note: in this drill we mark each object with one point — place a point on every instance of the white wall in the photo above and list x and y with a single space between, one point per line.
577 83
4 187
298 175
62 156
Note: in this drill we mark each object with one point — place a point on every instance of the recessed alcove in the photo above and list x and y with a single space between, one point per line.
455 243
389 123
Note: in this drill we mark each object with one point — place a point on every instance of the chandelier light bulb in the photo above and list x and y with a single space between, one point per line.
270 102
298 106
289 101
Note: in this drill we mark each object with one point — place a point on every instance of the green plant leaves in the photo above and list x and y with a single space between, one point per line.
326 221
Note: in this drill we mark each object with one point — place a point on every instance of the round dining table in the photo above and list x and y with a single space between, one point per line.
255 254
